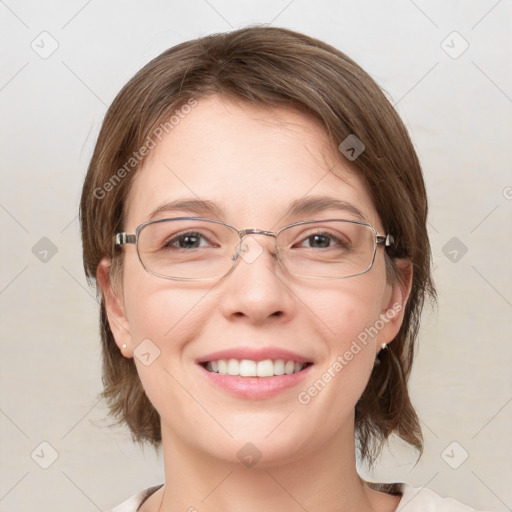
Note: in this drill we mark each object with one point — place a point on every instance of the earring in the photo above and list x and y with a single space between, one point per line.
384 346
124 345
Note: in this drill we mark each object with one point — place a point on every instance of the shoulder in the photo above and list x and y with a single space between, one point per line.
132 504
424 500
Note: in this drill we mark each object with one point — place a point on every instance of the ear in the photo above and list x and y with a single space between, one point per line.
114 305
392 313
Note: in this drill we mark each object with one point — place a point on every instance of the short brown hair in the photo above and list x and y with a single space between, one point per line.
268 67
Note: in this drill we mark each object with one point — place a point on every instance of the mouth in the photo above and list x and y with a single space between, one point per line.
255 373
252 368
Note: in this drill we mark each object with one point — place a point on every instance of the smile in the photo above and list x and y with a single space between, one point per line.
255 373
251 368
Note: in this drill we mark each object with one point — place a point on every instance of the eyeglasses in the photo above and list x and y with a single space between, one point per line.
194 248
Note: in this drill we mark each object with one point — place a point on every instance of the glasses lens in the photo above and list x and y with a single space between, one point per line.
187 248
327 249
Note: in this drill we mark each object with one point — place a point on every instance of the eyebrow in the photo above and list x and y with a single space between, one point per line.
300 207
201 207
316 204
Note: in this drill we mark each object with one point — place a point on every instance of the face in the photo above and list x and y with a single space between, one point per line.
252 164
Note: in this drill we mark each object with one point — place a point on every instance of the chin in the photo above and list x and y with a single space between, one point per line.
259 443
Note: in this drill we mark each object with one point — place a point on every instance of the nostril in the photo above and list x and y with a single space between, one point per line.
275 313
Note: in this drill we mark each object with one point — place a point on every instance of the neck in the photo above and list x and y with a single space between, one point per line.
319 480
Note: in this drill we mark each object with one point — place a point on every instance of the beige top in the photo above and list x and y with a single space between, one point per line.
413 499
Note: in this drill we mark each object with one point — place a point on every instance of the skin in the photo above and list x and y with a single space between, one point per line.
252 162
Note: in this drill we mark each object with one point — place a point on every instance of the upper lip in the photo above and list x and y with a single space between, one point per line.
254 354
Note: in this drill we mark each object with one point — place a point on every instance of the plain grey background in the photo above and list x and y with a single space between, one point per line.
445 64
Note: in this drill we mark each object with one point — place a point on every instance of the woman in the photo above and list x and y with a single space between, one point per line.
254 216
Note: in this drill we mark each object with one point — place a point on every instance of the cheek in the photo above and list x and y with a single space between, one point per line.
347 317
348 311
163 320
169 316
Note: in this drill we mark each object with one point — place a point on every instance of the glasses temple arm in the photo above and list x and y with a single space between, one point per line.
385 240
124 238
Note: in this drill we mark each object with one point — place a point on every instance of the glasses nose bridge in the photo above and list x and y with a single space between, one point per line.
253 231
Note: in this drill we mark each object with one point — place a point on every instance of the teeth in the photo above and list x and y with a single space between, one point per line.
279 367
265 368
223 366
268 368
233 367
289 367
249 368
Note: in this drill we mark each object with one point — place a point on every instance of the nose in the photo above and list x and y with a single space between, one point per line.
256 290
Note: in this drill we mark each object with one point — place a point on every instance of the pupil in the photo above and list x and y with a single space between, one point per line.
189 241
320 241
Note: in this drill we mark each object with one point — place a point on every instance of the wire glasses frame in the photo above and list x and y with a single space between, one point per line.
123 238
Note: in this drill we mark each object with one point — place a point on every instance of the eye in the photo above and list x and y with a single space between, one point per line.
324 240
187 240
321 241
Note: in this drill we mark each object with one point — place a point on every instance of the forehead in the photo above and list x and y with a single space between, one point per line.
253 163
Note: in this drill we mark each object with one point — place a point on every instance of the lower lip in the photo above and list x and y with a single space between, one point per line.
255 388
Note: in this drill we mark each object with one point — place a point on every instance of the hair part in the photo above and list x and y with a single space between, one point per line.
267 67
